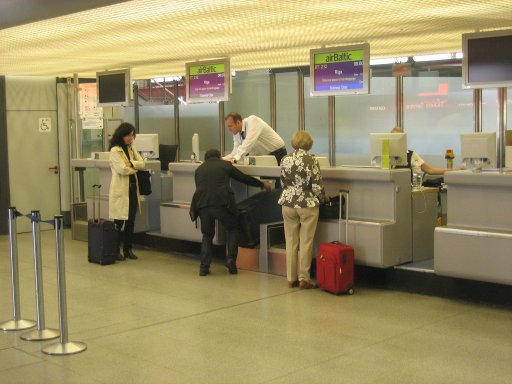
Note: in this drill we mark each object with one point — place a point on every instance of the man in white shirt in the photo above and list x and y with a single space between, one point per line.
252 136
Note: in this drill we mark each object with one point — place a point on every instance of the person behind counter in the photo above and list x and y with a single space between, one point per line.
214 199
123 197
254 137
302 193
413 157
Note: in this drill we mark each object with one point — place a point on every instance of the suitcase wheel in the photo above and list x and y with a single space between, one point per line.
350 291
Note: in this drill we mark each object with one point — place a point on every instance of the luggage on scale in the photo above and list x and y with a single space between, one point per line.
103 242
335 261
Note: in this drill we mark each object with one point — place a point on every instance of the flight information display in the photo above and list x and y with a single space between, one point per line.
340 70
207 81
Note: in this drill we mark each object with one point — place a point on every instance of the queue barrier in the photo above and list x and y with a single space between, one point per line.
64 346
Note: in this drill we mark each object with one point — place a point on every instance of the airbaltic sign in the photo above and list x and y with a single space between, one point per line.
337 71
208 81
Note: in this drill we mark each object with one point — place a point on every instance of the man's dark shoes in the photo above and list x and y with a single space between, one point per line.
232 268
120 257
130 255
204 271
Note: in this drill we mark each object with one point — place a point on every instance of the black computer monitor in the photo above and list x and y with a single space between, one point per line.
167 155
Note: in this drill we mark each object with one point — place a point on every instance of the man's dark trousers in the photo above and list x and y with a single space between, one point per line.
229 221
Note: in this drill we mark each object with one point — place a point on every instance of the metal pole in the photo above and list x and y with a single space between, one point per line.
64 347
302 113
41 333
222 129
332 130
136 105
176 119
399 101
273 101
477 110
17 323
502 126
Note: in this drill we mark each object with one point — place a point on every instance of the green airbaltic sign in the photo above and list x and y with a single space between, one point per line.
339 57
206 69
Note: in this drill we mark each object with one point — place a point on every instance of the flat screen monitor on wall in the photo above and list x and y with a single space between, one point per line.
340 70
113 87
487 59
207 81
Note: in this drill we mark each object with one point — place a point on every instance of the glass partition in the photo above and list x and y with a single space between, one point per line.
287 106
436 111
316 120
202 119
359 115
250 96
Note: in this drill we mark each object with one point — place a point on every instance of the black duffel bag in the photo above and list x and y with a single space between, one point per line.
331 210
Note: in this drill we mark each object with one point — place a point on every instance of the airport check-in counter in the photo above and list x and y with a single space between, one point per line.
380 221
476 243
145 220
380 224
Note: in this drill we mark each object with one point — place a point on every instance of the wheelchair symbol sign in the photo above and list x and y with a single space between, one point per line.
45 124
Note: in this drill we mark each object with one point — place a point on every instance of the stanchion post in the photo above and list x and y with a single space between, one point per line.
64 347
41 333
17 323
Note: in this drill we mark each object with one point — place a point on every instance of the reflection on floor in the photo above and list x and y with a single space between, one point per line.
426 266
154 320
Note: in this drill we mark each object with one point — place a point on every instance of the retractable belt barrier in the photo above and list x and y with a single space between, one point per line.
64 347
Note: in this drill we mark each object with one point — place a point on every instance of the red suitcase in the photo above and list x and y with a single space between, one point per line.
335 261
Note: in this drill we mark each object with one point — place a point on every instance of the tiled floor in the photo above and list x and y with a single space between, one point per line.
154 320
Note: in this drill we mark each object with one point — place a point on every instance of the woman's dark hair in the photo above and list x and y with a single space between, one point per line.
123 130
212 153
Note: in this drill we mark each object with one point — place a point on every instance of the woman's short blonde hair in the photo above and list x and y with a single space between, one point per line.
302 140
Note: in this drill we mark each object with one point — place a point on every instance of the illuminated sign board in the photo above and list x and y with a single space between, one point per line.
207 81
340 70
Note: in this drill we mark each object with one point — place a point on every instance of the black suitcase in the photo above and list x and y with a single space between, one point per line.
103 242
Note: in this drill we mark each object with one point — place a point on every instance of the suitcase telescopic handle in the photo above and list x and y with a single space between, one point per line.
94 202
346 193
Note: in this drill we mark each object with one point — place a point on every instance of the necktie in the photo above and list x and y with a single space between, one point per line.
242 135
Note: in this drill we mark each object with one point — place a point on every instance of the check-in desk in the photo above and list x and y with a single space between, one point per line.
145 220
476 243
380 222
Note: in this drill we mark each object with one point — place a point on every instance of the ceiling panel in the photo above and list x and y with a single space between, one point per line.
156 37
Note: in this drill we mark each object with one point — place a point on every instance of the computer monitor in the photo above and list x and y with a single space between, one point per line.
478 150
147 145
195 148
167 155
397 148
113 87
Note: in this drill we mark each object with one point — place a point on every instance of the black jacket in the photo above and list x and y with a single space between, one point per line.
212 185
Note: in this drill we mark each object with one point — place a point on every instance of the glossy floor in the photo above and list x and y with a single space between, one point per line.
154 320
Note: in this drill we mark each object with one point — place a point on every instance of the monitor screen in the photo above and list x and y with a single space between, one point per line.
340 70
487 59
167 154
147 145
113 87
207 81
397 148
478 149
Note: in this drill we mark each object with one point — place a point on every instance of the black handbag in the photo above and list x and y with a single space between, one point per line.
144 180
331 210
